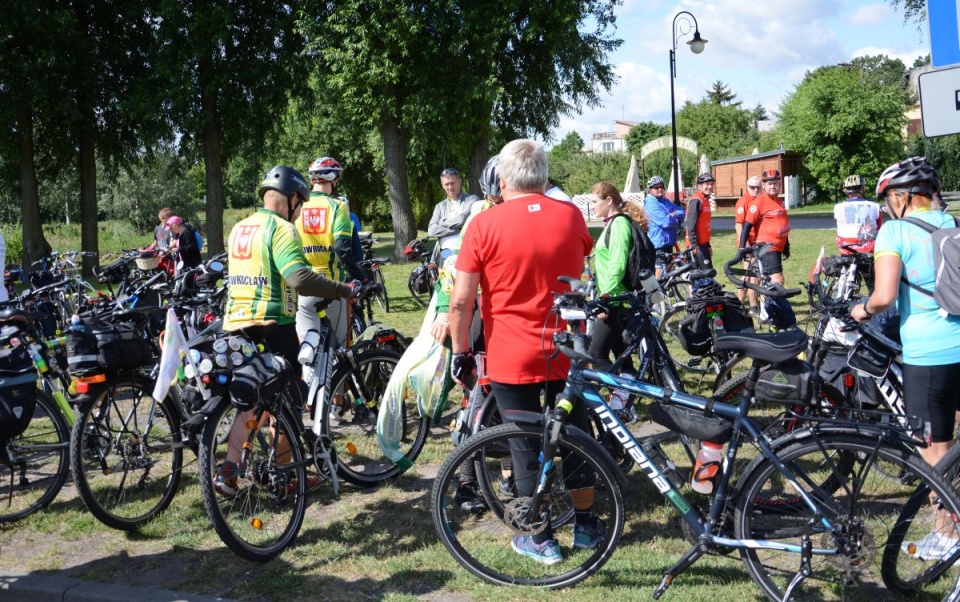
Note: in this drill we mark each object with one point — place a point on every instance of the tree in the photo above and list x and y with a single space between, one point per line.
845 119
760 113
597 167
721 131
720 94
644 132
563 157
570 146
230 67
913 10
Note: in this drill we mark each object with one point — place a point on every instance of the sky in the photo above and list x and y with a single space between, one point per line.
761 50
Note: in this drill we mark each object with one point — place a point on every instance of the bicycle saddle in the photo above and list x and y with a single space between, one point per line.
18 315
770 346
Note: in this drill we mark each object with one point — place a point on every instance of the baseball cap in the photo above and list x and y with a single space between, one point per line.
174 221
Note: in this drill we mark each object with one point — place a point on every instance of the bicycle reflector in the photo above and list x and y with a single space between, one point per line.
84 382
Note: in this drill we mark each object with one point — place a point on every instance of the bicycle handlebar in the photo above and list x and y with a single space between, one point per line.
771 289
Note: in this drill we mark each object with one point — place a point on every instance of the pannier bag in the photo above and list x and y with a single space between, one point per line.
834 368
420 280
98 346
694 333
18 391
786 382
257 383
114 272
692 423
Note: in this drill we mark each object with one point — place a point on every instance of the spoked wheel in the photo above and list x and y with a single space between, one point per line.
258 505
493 545
126 453
669 330
848 476
383 300
424 298
353 411
34 464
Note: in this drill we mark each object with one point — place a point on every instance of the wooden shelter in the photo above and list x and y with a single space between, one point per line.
732 174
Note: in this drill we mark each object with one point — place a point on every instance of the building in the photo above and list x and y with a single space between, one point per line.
611 142
914 123
732 174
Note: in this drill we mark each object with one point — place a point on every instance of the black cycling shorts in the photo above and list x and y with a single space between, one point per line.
933 394
771 262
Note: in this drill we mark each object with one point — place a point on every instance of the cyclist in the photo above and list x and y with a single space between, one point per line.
515 252
326 237
740 210
161 236
450 214
766 218
931 338
697 221
185 244
267 269
663 216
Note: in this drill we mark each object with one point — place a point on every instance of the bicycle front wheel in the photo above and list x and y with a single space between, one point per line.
488 545
38 459
907 566
669 330
256 498
849 478
126 453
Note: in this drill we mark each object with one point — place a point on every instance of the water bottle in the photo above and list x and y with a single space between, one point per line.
308 348
651 287
76 325
38 360
706 472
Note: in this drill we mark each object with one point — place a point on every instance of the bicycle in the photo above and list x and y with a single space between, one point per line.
37 458
423 278
374 264
810 515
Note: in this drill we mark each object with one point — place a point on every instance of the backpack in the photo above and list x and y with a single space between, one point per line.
199 241
642 254
946 255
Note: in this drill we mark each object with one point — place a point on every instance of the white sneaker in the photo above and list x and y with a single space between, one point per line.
934 546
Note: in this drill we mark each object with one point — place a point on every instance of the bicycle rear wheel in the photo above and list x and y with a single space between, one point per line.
669 330
34 464
263 513
383 300
905 568
350 420
863 507
126 453
481 541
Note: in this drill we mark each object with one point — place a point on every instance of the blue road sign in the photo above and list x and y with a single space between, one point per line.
942 15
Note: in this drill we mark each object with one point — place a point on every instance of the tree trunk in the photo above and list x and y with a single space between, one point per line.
35 246
212 159
88 191
395 156
479 155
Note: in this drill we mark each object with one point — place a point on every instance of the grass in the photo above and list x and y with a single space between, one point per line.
370 544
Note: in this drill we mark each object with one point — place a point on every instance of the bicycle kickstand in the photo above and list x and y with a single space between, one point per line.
806 551
683 564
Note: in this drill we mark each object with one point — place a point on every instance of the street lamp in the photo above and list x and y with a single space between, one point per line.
696 47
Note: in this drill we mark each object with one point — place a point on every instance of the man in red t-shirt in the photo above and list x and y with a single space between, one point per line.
766 218
699 212
515 252
740 212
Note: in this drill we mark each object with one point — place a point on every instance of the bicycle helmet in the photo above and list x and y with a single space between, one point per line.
287 181
916 174
655 181
770 174
489 180
854 183
705 177
327 169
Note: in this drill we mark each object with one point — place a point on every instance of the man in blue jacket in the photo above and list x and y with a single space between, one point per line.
663 216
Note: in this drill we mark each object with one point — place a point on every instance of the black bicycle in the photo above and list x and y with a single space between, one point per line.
423 278
813 515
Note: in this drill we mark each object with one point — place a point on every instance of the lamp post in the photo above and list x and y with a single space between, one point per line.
696 46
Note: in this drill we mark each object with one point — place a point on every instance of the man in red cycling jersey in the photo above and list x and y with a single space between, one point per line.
766 218
697 221
754 186
515 252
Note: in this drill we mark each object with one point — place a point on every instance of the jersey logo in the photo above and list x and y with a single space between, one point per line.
753 209
243 243
315 220
533 208
739 209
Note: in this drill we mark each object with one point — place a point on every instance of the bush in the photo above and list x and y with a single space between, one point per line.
378 217
13 236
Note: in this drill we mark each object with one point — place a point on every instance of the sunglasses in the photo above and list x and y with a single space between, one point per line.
656 188
449 172
753 187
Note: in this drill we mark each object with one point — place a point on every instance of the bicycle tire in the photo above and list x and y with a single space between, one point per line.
263 517
383 299
126 453
901 571
41 456
669 329
863 508
481 542
424 298
352 425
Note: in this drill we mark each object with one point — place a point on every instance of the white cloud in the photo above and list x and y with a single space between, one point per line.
870 14
906 56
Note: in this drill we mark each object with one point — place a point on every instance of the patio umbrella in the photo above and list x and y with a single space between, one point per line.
675 173
632 184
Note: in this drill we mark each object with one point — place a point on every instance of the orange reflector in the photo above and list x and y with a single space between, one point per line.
351 449
251 424
256 523
96 378
386 338
912 548
82 388
849 380
206 379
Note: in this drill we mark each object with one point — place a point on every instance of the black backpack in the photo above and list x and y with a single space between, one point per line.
642 254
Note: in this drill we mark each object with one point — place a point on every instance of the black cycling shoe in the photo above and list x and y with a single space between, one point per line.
469 499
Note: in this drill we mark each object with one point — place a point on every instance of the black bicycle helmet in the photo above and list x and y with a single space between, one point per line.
289 182
915 175
489 180
705 177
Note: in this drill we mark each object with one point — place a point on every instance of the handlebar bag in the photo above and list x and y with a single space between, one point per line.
869 357
18 391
